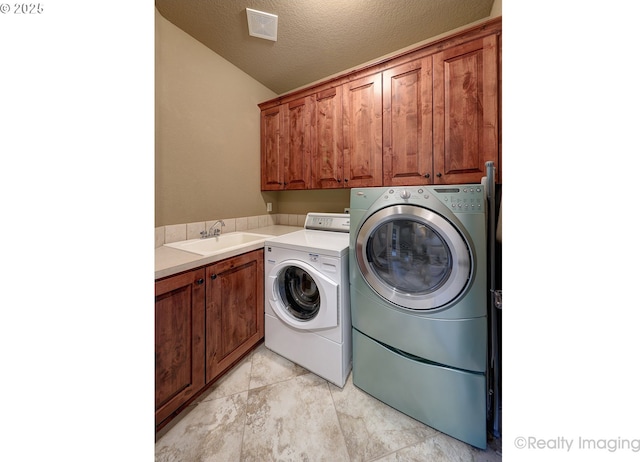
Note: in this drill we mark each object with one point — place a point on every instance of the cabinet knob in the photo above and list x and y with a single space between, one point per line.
213 276
426 175
439 175
200 281
346 180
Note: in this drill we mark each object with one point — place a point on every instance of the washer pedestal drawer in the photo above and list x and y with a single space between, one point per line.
449 400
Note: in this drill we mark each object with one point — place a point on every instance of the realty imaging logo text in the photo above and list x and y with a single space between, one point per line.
561 443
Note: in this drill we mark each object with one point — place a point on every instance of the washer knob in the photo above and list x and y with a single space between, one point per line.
405 194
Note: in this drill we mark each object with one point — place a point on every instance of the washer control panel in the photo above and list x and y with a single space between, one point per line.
328 222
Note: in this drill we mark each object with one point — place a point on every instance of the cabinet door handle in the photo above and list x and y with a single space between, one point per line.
200 281
346 180
439 175
213 276
426 175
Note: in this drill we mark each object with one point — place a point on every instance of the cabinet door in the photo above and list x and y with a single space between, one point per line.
465 91
326 135
362 125
179 337
407 124
235 310
272 148
297 153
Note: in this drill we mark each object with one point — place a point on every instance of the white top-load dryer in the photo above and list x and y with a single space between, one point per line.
307 301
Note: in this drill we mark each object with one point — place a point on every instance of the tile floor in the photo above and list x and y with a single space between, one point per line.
270 409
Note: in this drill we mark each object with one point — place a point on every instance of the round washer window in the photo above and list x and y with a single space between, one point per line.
413 257
409 255
299 293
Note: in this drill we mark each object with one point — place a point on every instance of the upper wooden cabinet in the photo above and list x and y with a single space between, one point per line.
407 124
465 115
327 139
362 130
427 116
297 151
285 145
272 147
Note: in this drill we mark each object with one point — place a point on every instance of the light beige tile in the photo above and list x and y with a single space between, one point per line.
269 368
293 421
234 381
283 219
493 453
253 222
194 230
284 403
242 224
229 225
266 220
211 431
371 428
439 448
175 233
159 236
301 220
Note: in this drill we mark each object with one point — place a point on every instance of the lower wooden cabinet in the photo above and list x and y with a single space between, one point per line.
205 321
179 319
235 310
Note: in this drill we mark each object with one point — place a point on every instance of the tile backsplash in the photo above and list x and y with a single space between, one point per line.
184 231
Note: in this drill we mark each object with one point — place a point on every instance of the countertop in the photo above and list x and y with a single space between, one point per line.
170 261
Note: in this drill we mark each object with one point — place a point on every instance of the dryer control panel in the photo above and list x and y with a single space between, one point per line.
467 198
459 198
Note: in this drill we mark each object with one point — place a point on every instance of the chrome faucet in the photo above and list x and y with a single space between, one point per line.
213 231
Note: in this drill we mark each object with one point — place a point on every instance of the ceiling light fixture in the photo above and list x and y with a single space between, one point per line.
263 25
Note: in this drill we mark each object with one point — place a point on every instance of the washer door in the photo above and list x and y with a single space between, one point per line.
413 257
302 297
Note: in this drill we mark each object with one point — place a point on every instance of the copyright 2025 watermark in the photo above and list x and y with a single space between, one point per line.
580 443
21 8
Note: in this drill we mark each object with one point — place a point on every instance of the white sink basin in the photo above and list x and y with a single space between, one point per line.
219 244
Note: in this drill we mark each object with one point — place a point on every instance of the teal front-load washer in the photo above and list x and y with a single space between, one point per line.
418 276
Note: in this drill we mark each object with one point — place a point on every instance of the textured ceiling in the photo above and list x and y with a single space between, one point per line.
316 38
